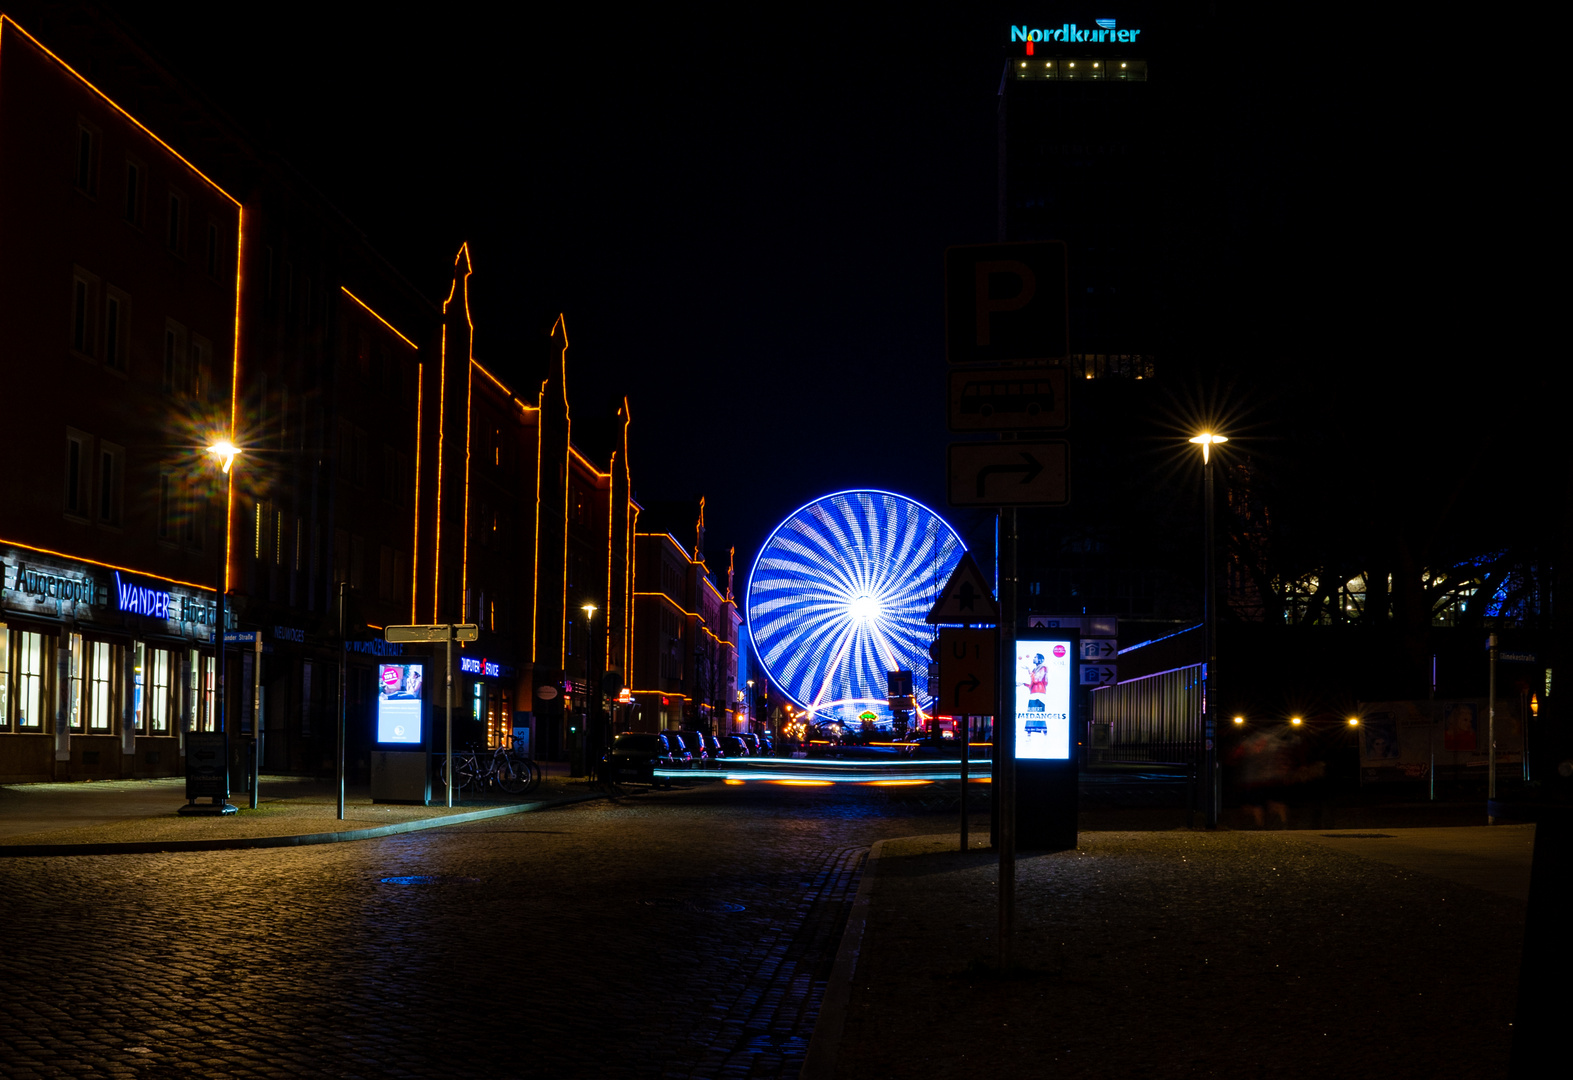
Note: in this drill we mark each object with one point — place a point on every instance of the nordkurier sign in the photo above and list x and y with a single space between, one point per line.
1104 32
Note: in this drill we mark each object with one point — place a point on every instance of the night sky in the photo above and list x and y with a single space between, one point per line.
743 213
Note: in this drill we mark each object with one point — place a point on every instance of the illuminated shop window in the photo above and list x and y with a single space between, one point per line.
74 683
30 657
100 665
5 678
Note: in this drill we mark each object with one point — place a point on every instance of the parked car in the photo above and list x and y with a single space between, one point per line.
712 747
733 746
677 751
634 757
751 741
697 752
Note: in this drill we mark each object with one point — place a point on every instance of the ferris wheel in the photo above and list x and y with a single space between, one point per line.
839 596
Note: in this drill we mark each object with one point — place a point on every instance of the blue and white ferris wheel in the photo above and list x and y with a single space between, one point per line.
839 595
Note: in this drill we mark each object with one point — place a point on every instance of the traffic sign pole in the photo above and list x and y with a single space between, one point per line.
1005 740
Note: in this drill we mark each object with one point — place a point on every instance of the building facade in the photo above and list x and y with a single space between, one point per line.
169 284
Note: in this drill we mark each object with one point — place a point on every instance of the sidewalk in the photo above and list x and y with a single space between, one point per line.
127 816
1391 952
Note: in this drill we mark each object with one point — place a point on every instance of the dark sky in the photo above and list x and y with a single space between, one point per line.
742 212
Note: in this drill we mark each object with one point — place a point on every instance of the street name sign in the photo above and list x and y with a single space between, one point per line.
966 597
432 632
966 672
1006 303
1009 473
1006 399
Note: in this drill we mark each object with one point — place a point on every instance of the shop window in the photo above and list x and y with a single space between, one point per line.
73 688
30 658
155 710
5 678
100 685
208 673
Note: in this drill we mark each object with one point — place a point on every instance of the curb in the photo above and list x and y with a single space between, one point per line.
150 847
820 1062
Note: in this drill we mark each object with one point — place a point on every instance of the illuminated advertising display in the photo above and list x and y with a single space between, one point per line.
399 703
1042 697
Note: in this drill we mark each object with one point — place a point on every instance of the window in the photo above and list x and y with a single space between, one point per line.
135 181
154 712
201 373
78 446
385 582
390 474
193 517
86 159
84 309
100 699
177 372
28 653
117 329
212 250
73 710
207 673
175 234
111 482
5 678
166 506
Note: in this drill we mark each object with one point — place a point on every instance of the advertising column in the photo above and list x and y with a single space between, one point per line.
1046 761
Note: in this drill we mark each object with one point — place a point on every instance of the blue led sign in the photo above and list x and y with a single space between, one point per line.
140 600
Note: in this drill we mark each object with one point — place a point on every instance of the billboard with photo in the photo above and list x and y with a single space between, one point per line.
1041 693
399 703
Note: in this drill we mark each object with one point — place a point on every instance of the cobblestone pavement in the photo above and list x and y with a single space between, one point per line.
658 935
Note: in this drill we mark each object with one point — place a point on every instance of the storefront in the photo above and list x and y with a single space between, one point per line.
102 670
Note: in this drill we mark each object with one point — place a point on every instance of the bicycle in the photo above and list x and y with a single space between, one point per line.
479 767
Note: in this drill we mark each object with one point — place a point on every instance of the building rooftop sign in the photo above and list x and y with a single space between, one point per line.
1103 32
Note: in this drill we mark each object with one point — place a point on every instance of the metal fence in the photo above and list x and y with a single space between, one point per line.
1156 718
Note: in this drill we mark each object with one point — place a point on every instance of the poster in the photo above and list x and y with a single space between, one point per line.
1042 695
399 703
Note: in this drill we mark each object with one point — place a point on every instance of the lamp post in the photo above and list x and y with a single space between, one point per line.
225 452
592 734
1211 779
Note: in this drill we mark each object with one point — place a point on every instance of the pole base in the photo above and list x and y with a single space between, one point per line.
213 809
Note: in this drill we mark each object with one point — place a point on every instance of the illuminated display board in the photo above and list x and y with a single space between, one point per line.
1042 693
399 703
839 595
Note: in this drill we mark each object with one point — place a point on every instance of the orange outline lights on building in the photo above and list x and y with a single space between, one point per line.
6 19
562 661
415 544
106 565
535 561
442 419
611 518
379 318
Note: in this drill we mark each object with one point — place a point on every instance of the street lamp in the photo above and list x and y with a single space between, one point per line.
1207 440
224 452
592 734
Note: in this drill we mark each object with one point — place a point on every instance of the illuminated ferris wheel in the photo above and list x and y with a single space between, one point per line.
839 595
